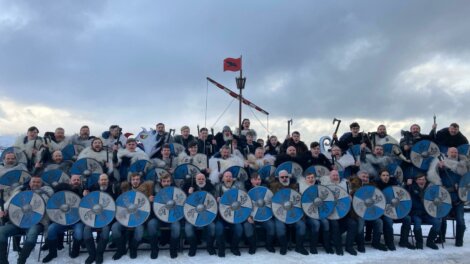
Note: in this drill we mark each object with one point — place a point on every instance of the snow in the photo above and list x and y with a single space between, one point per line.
447 255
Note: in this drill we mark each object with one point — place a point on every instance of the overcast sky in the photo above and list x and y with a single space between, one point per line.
137 63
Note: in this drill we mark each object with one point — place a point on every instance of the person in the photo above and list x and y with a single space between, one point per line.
193 157
273 146
314 157
185 137
123 158
31 234
162 137
56 229
227 183
354 137
284 180
58 141
97 152
380 137
218 165
224 138
258 160
166 161
249 226
192 185
451 136
10 163
31 144
83 138
375 162
56 162
206 143
420 216
246 128
414 136
290 155
95 252
295 142
146 187
249 145
114 139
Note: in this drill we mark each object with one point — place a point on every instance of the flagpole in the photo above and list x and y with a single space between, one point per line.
240 85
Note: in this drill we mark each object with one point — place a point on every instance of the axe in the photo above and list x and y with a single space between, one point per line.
338 121
289 123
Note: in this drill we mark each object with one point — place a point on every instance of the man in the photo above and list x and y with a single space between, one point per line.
56 229
10 163
96 252
295 142
167 161
315 157
162 137
450 136
380 137
114 139
354 137
123 158
197 159
420 216
414 136
250 145
9 229
83 138
31 144
205 143
223 138
199 183
283 181
58 141
185 137
374 162
97 152
289 155
219 165
257 161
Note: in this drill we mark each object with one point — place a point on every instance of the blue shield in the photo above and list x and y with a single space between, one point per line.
86 167
155 174
54 177
293 168
26 209
422 154
318 202
437 201
395 171
97 209
168 204
14 178
464 187
238 173
369 202
185 172
261 198
342 202
266 171
71 152
235 206
200 209
286 206
132 208
141 166
62 208
398 202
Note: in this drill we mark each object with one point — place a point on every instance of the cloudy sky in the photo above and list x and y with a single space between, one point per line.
136 63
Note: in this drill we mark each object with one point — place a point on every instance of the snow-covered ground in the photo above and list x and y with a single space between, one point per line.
447 255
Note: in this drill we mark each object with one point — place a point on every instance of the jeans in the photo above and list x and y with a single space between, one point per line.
88 232
281 228
377 226
418 220
55 230
10 229
314 225
267 225
189 230
237 229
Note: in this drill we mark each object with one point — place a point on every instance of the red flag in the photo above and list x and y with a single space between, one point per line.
231 64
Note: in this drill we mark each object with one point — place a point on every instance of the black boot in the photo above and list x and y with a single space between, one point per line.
52 251
133 244
405 230
3 253
389 240
25 252
192 246
338 244
313 244
154 247
221 246
376 242
350 237
210 245
60 241
234 245
174 243
100 250
327 242
419 238
441 238
45 246
430 241
75 248
90 246
459 235
16 243
299 245
269 244
120 243
251 245
283 245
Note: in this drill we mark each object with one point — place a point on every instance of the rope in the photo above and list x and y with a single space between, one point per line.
207 95
267 131
223 112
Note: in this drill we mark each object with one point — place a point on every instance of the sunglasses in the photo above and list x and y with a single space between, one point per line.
284 177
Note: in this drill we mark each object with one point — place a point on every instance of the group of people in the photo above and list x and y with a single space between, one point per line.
115 152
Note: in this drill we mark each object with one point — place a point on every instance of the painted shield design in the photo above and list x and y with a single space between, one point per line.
54 177
90 169
266 171
168 204
155 174
14 178
342 202
437 201
62 208
318 202
141 166
287 206
71 152
185 172
261 198
395 171
132 208
200 209
176 149
235 206
97 209
238 173
398 202
464 187
369 202
26 209
423 152
293 168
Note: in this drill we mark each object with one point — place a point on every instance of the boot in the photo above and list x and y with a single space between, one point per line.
45 246
419 238
52 251
376 242
430 241
389 241
120 247
459 235
234 245
210 245
350 236
299 245
133 244
192 246
16 243
25 252
269 244
3 253
221 246
100 250
154 247
327 242
368 235
337 243
441 238
251 245
60 241
313 244
282 245
75 248
405 230
90 246
174 243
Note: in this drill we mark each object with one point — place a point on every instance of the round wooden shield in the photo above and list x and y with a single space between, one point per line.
14 178
293 168
395 171
62 208
437 201
238 173
26 209
261 198
423 152
342 202
398 202
235 206
185 172
97 209
369 202
71 151
132 208
200 209
318 201
54 177
266 171
464 187
141 166
168 204
286 206
155 174
86 167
